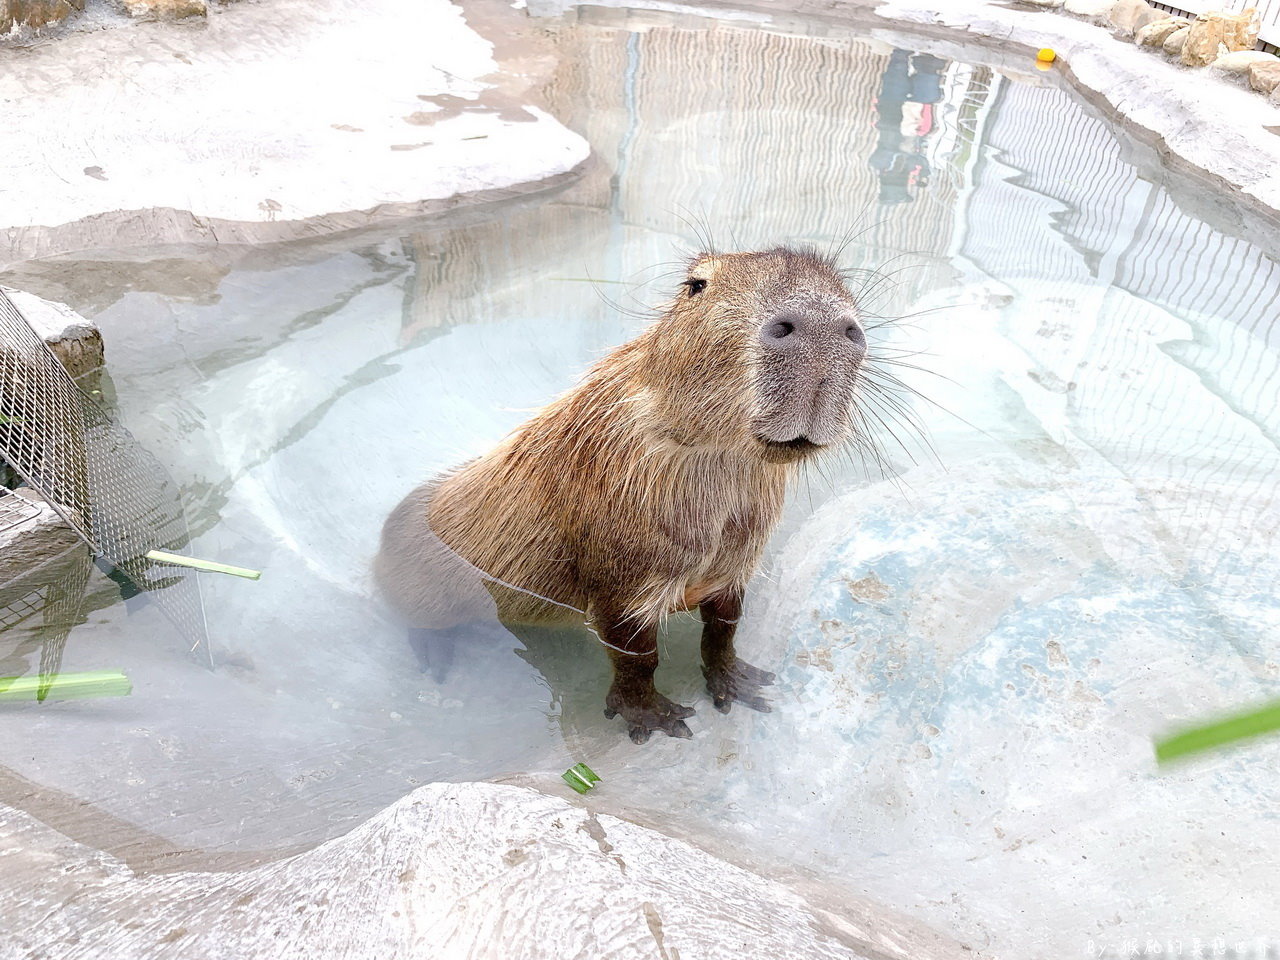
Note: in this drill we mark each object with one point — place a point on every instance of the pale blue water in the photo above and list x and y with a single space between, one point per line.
973 653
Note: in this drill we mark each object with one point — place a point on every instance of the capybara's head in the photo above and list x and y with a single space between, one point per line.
758 352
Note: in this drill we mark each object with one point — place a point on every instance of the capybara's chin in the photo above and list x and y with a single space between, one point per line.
787 451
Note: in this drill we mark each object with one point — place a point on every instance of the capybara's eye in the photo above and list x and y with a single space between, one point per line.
695 286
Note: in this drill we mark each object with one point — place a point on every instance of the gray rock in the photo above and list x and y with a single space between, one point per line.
1088 8
1264 75
1127 16
453 870
1154 34
35 14
165 9
1204 43
1240 30
1241 61
75 341
1148 17
1174 42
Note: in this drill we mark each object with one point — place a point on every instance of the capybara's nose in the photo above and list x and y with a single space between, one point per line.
814 334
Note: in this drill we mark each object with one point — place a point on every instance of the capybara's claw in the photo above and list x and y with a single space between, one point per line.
653 713
738 681
762 678
673 728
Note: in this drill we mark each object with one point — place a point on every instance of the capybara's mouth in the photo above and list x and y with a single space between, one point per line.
788 451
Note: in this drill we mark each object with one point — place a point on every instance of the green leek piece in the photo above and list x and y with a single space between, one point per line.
65 686
180 561
1229 729
581 777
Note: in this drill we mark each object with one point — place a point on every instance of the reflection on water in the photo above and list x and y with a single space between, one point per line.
900 157
38 609
1113 360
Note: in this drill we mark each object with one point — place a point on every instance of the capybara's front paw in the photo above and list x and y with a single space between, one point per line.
740 681
647 713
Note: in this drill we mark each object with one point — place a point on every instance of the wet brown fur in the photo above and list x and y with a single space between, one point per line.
642 491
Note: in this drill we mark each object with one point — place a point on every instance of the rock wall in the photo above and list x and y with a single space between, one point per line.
165 9
1223 41
75 341
34 14
466 870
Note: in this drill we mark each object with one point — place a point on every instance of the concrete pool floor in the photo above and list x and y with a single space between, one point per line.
269 121
171 912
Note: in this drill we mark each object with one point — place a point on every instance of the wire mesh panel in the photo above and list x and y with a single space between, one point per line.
15 509
41 420
19 608
43 604
90 470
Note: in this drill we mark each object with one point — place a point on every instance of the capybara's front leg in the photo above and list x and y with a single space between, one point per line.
633 649
728 678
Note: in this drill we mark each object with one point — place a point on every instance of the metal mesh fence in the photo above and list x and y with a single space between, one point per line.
14 508
119 500
25 605
44 604
63 600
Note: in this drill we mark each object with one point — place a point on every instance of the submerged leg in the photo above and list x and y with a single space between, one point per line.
728 678
434 650
633 649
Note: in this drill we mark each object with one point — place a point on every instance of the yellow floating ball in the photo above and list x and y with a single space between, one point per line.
1046 56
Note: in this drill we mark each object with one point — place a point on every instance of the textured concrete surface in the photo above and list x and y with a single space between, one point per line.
1011 831
271 120
472 870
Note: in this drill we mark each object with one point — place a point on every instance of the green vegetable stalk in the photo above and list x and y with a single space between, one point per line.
65 686
1229 729
581 777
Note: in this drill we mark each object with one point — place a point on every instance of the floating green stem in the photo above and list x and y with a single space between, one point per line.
65 686
1240 726
159 556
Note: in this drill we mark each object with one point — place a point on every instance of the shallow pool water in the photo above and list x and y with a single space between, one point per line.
975 640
